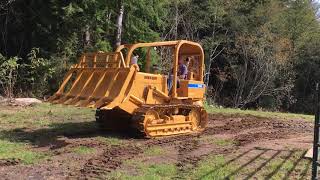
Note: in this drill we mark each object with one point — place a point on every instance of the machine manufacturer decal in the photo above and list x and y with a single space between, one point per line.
195 85
150 78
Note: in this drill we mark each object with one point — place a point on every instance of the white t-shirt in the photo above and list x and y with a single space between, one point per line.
134 60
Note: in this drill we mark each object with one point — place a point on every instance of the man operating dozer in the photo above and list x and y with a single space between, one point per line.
182 73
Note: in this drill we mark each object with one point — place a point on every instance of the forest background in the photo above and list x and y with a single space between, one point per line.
259 54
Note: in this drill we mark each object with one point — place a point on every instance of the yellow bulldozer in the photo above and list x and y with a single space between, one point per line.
127 96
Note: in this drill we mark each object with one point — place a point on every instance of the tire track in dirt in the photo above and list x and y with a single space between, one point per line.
113 156
108 161
243 131
9 162
185 161
189 155
185 144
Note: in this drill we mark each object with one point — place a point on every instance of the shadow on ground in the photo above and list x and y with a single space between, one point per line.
277 155
53 135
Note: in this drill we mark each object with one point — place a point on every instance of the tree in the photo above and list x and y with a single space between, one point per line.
119 23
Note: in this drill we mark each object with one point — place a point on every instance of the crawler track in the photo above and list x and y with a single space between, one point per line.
166 120
155 120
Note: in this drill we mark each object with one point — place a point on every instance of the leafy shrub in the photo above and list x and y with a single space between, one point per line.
34 76
8 74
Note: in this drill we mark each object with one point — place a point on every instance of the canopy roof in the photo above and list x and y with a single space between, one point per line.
183 47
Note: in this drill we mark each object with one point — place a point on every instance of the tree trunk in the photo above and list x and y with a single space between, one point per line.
87 37
119 24
176 21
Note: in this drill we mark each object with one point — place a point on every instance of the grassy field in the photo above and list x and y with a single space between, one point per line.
257 113
22 129
29 135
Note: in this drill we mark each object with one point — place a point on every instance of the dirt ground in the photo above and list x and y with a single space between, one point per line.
251 147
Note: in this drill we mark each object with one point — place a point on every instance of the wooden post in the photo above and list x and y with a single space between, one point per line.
315 162
95 60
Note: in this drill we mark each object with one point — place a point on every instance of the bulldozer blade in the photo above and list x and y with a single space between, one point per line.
94 87
91 79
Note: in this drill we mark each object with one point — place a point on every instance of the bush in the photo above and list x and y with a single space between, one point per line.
34 76
8 74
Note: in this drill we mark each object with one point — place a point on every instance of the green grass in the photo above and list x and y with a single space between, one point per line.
154 151
20 151
143 171
44 122
42 115
159 171
109 140
285 167
73 127
224 142
23 127
218 141
213 167
264 114
281 166
83 150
